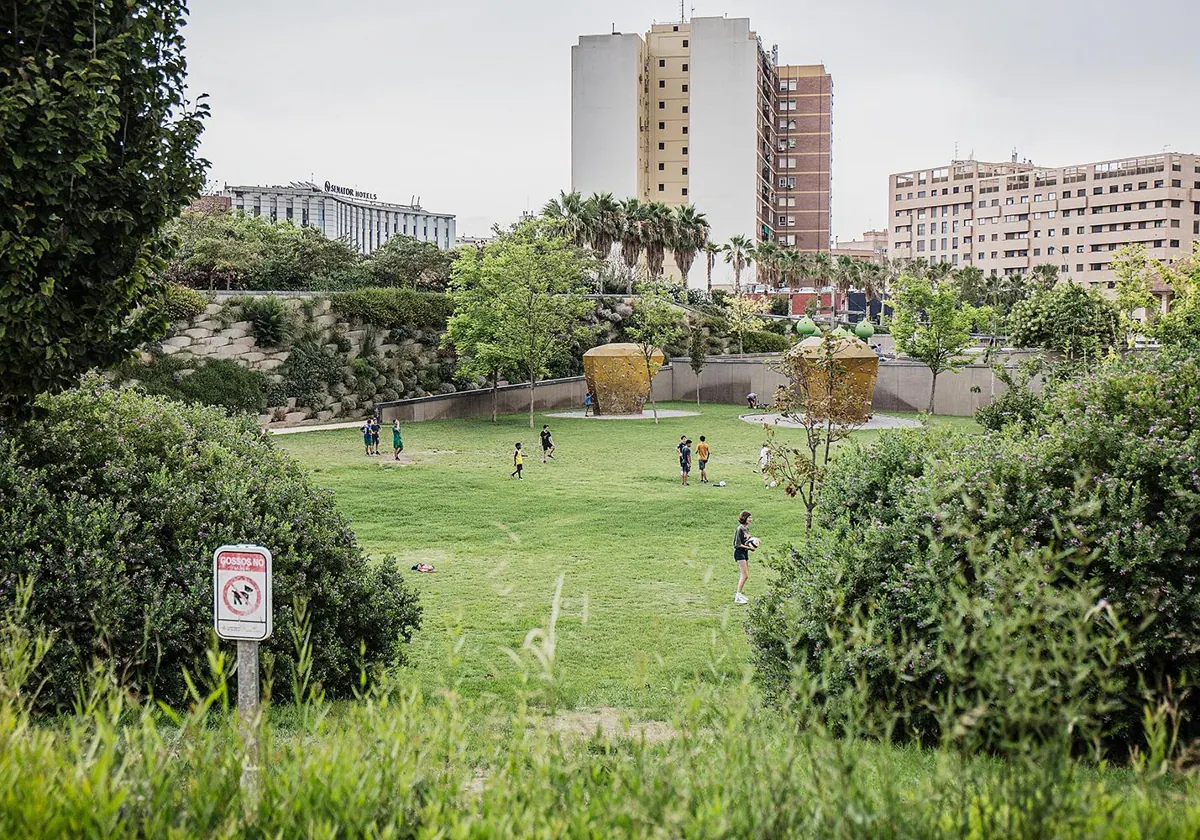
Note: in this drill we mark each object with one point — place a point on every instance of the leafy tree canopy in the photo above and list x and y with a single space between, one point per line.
97 151
1068 319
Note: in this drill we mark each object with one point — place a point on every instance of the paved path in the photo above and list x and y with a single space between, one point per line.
878 421
645 415
291 430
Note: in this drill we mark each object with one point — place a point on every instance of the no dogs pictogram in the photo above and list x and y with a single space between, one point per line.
241 595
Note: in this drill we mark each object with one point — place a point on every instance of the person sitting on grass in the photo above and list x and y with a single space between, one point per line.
547 443
518 462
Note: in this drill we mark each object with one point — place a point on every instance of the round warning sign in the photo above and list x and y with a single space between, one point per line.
241 595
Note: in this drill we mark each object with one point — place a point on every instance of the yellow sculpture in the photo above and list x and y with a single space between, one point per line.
855 369
617 377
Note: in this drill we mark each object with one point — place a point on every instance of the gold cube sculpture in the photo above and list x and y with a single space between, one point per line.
856 367
616 377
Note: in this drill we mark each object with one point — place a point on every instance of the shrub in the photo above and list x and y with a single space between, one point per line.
179 303
1103 501
764 341
215 382
1018 405
308 371
389 308
117 530
270 321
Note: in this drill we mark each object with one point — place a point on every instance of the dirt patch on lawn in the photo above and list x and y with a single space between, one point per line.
612 723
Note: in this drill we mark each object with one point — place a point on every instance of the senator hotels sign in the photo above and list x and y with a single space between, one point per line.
334 188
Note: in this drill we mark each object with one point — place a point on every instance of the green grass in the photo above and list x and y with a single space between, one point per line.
648 577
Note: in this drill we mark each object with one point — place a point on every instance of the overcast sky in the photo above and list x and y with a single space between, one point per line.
466 103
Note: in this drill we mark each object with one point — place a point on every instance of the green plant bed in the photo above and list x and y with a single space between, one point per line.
389 308
216 382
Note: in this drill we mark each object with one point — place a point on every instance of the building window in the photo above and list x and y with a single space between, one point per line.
685 43
661 126
685 68
685 129
662 83
662 167
662 187
1174 243
662 62
685 109
685 150
661 105
1176 183
662 146
685 170
685 190
685 88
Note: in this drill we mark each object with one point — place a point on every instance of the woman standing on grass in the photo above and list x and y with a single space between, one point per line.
743 544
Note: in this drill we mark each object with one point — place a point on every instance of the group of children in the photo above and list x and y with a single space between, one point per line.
685 459
370 433
548 447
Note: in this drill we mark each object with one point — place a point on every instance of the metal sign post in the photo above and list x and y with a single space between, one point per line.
242 611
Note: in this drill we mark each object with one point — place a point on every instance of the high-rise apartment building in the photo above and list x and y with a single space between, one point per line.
1006 218
701 113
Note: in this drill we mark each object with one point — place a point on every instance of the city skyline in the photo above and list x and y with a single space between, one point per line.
369 97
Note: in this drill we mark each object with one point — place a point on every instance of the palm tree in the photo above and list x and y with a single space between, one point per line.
872 277
845 278
657 227
766 255
787 265
568 209
603 220
821 268
1044 276
710 249
938 272
691 235
631 237
738 253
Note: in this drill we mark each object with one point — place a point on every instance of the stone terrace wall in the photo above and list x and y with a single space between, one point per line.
402 363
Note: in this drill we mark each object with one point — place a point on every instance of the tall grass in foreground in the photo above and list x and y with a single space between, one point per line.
400 763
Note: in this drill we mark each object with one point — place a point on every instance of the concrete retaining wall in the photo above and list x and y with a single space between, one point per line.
903 386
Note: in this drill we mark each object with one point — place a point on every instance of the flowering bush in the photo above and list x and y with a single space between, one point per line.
113 502
922 525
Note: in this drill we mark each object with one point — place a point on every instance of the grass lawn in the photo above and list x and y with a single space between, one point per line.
647 570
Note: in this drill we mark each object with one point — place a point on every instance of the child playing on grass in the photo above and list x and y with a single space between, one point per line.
397 440
547 443
685 461
764 460
518 462
702 457
366 433
743 544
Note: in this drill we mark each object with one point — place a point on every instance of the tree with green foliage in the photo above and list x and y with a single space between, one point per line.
1180 326
932 325
473 330
742 313
1133 272
1068 319
403 261
697 352
97 151
536 278
739 252
656 323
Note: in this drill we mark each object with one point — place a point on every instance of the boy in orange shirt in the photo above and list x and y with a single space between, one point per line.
702 457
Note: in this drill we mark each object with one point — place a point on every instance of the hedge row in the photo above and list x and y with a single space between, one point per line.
395 307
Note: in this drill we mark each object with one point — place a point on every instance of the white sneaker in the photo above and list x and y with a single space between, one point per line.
739 598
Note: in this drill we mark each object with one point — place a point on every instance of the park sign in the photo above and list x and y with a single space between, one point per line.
242 592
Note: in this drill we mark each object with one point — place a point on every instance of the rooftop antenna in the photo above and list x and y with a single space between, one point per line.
1014 154
682 18
614 27
956 150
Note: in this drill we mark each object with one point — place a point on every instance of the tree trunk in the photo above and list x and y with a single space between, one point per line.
532 383
932 391
698 388
495 389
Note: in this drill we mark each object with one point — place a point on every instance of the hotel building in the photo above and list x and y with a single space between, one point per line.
701 113
342 213
1006 218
